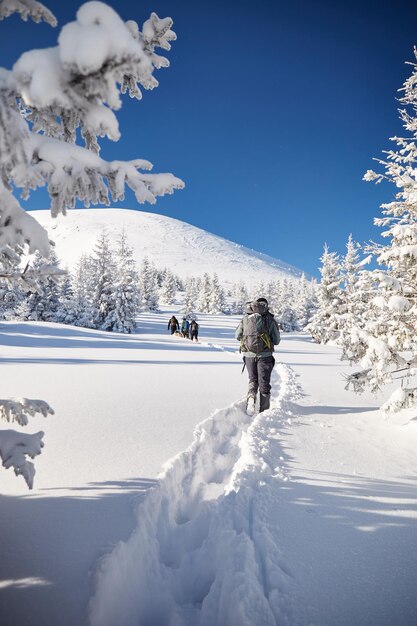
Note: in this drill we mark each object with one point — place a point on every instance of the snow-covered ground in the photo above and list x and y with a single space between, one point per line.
168 242
305 514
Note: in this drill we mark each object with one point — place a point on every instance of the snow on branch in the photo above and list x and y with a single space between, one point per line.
79 82
75 173
15 447
20 409
27 8
18 227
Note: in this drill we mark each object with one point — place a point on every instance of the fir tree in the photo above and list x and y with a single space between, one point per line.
388 339
126 288
148 286
217 298
103 300
168 288
204 294
324 325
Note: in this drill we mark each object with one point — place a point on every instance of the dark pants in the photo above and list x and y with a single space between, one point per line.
194 335
259 371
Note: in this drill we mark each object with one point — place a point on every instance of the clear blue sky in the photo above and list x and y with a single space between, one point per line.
270 112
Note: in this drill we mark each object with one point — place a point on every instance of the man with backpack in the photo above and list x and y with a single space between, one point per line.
193 330
173 325
258 333
185 328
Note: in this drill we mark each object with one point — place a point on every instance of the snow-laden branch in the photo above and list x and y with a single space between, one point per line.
79 82
15 447
37 11
18 227
20 409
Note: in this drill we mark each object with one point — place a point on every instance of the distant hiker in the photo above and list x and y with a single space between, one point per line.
173 325
193 330
185 327
258 333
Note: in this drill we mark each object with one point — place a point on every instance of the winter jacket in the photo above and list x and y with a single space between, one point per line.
185 326
273 332
173 323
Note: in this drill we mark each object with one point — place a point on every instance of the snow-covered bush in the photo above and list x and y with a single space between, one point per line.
50 98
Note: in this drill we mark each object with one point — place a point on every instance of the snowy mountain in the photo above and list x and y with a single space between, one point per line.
168 242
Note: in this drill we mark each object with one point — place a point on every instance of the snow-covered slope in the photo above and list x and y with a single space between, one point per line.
186 249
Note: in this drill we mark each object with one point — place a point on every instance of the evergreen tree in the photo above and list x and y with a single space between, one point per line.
388 339
103 300
204 294
241 297
43 303
168 288
302 303
217 298
324 325
83 286
66 310
126 288
148 286
190 296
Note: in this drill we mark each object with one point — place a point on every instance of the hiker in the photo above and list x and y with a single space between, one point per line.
258 333
185 328
193 330
173 325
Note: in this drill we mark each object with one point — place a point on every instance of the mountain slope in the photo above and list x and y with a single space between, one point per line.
186 249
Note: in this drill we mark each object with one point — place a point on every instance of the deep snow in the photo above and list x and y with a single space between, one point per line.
168 242
305 514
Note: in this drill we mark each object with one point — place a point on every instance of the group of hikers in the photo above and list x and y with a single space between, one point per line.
188 330
258 333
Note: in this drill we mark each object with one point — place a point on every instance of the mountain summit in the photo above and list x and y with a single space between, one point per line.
168 242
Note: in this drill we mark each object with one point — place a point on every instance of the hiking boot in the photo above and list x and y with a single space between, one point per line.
264 401
250 405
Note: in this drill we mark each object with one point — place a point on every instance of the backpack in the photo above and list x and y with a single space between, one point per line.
256 331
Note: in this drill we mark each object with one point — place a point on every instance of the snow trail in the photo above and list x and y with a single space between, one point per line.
202 552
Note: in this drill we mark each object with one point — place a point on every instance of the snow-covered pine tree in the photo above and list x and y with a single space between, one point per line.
11 293
104 269
66 309
168 289
38 132
83 286
126 288
302 302
148 286
277 299
324 326
240 297
204 294
190 295
356 295
287 318
43 304
389 338
217 301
